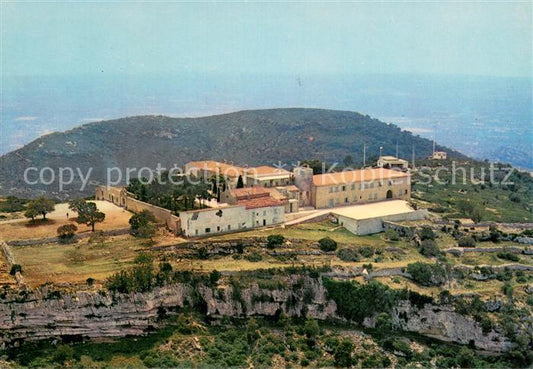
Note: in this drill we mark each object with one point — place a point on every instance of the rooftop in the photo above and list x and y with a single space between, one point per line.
361 175
260 202
246 192
228 170
374 210
265 171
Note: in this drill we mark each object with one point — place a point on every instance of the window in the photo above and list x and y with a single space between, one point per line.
196 232
344 188
229 227
346 200
406 192
208 230
218 228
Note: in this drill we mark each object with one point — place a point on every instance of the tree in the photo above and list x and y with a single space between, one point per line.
327 244
343 354
31 213
143 224
77 205
90 215
466 241
429 248
12 204
275 240
240 183
41 206
66 231
214 276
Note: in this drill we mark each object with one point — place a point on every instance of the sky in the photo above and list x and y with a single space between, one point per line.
73 38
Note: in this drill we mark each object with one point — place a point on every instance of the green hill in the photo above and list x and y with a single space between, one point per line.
246 137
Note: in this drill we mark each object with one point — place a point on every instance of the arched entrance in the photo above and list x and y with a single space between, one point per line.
389 194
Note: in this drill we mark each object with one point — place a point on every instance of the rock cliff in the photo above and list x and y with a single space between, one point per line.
46 313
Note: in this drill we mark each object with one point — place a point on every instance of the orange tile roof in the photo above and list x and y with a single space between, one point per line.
225 169
266 170
245 192
366 175
260 202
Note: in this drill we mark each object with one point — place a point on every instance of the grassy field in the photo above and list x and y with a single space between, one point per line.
74 263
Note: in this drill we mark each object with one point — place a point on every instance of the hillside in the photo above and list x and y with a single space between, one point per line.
246 137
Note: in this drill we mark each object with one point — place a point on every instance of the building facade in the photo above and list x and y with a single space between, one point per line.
205 222
359 187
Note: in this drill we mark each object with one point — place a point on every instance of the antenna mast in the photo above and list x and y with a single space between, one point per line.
397 149
364 155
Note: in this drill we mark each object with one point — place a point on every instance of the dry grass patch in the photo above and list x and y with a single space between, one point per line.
20 229
74 263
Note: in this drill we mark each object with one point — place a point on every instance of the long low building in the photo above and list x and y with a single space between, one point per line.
369 218
247 214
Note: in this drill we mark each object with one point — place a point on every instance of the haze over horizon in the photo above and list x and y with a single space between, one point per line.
446 67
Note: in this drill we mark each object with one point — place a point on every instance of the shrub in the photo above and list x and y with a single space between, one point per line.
348 254
254 257
429 248
90 281
392 235
343 354
508 256
15 268
214 276
466 241
366 252
63 353
66 232
275 240
327 244
202 253
426 233
143 224
427 274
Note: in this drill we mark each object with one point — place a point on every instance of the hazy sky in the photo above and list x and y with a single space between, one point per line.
492 39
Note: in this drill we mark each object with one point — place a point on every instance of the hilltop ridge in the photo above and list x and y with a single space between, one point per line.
250 137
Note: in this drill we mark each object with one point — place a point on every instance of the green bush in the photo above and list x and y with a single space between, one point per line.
214 276
66 232
466 241
367 252
427 274
275 240
426 233
429 248
327 244
254 257
63 353
343 354
508 256
15 268
392 235
346 254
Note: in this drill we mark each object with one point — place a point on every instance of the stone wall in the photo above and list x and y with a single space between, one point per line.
120 197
